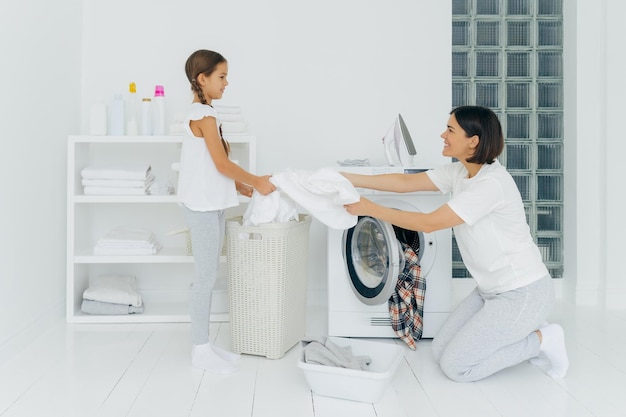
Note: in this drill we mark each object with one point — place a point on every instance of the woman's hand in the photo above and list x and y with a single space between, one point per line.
264 185
360 208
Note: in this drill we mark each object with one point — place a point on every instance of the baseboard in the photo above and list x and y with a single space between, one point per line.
24 337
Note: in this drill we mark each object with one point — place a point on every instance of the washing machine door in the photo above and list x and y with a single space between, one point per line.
373 258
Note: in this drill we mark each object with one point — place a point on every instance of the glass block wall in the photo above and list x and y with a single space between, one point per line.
507 55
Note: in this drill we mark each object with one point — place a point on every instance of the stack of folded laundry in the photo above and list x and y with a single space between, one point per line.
112 294
231 120
117 180
127 241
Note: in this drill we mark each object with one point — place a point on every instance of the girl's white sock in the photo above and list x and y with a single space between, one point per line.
204 357
226 354
553 347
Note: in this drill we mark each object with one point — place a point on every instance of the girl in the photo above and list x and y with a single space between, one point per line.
502 322
208 184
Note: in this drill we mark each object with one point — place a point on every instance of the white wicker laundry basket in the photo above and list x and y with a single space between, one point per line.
267 268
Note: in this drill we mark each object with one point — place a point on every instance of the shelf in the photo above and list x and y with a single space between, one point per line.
163 279
154 313
125 199
82 199
165 255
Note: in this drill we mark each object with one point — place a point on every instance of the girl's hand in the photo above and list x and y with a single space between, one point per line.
264 185
360 208
244 189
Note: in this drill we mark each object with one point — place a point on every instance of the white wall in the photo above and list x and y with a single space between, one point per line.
317 81
39 107
595 106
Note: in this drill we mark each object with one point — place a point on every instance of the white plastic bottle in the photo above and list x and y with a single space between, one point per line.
131 119
146 116
158 111
117 112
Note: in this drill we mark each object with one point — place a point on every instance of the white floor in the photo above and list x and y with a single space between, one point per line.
143 370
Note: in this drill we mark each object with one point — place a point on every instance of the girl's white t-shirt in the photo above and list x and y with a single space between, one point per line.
494 240
201 187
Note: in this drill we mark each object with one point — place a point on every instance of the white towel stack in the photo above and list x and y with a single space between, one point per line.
232 120
112 294
127 241
117 180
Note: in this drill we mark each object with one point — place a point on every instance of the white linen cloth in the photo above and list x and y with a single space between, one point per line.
99 182
130 172
127 241
271 208
322 192
114 288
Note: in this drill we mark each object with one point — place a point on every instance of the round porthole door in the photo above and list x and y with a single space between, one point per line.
373 257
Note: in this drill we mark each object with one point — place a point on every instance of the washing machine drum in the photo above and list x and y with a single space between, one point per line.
374 257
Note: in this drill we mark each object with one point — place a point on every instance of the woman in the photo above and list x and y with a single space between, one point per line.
502 321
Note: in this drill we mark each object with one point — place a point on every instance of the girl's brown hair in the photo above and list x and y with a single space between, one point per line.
204 62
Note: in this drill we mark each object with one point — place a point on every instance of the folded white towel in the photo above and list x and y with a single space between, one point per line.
115 190
127 235
118 183
129 172
323 193
227 109
233 127
118 289
230 117
127 241
124 251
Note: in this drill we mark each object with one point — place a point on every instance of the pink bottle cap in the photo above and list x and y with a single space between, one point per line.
159 91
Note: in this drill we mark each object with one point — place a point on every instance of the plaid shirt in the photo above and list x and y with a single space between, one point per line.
406 304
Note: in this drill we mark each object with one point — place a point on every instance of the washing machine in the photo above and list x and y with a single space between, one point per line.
365 261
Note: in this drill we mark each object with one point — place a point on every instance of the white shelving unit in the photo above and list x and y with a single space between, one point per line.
163 279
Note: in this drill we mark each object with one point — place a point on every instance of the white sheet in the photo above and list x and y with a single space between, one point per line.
323 193
129 172
271 208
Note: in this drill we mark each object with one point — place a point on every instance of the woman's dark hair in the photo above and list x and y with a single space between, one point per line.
204 62
482 122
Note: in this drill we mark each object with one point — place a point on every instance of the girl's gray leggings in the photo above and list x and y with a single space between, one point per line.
207 230
490 332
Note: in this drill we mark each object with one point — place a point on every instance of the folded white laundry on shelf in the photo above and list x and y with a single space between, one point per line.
99 182
127 235
229 117
127 241
323 193
125 172
89 190
114 288
233 127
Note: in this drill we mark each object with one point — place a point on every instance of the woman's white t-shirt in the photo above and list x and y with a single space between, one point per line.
494 240
201 187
